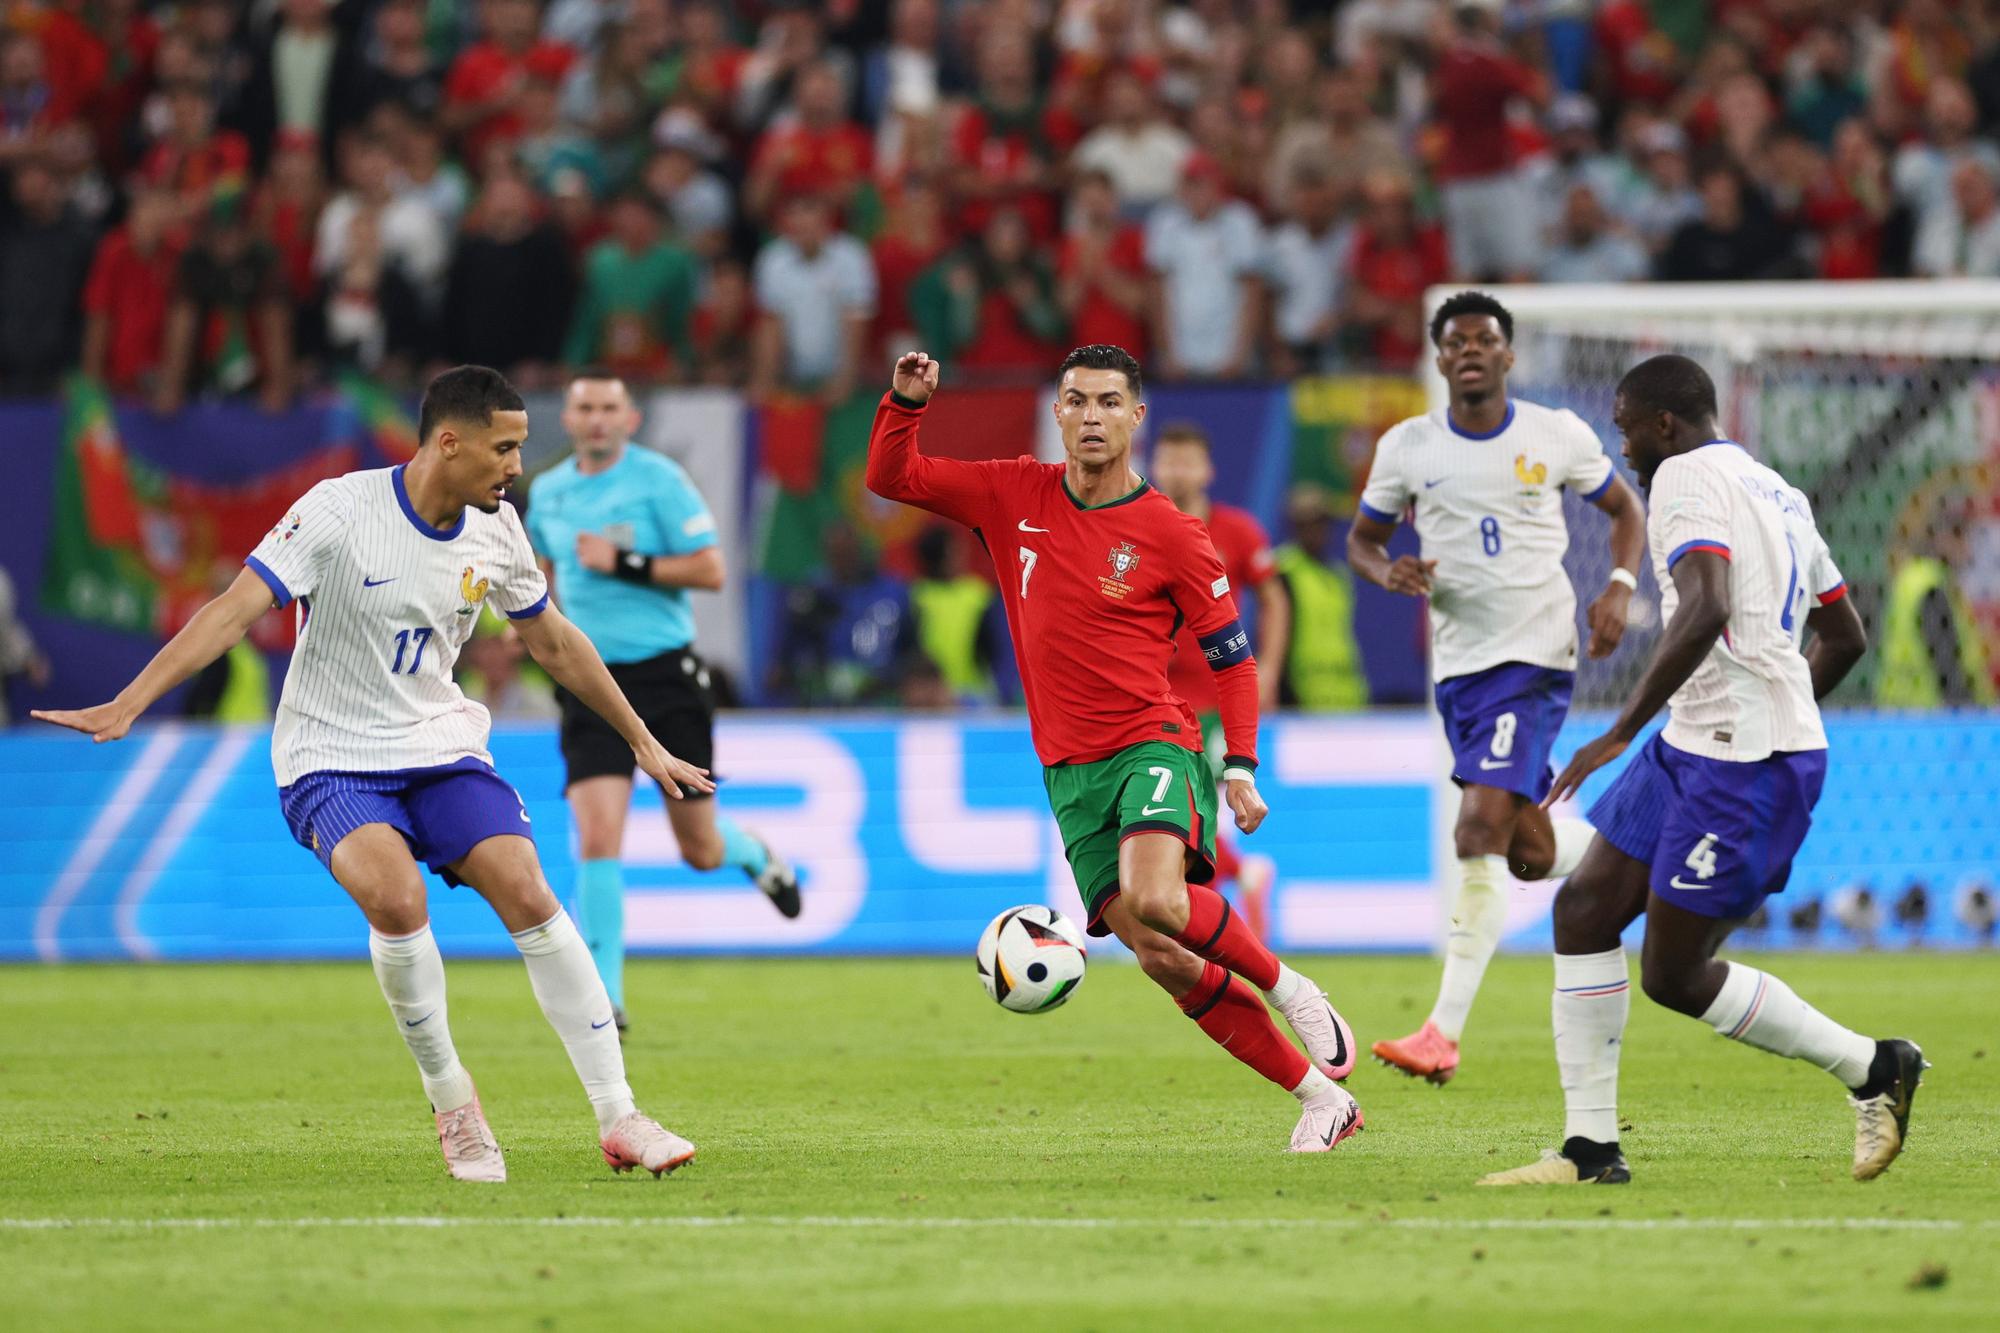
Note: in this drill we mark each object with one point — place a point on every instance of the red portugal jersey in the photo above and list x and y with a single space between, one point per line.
1094 594
1246 557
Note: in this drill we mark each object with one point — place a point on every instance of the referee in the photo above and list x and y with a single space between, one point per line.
622 535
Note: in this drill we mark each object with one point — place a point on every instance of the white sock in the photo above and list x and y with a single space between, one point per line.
1478 915
1572 841
1592 998
573 999
1314 1084
1759 1010
411 971
1286 986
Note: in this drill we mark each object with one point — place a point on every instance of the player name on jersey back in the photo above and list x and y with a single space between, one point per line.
1489 510
1752 694
386 601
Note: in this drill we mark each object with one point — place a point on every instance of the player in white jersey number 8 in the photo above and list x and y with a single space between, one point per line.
373 554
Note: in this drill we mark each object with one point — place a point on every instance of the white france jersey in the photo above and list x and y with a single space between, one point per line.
1752 694
1489 510
385 603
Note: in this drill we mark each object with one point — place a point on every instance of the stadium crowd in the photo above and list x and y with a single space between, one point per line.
245 196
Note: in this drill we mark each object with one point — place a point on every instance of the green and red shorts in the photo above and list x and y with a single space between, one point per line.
1152 787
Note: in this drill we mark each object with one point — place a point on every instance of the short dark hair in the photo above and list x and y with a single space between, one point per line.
595 372
1471 303
465 393
1670 383
1104 356
1182 432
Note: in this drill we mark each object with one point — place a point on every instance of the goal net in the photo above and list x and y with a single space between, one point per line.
1880 400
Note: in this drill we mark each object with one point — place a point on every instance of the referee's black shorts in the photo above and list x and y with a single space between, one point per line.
671 695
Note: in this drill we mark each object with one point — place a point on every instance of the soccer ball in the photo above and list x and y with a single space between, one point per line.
1031 958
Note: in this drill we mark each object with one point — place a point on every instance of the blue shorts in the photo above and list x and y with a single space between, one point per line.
1502 722
442 812
1720 836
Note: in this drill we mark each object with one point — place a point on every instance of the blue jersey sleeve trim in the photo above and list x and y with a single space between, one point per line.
1227 646
1370 511
530 612
1698 544
276 584
1604 485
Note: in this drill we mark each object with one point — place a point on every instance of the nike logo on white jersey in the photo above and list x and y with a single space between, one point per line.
1439 482
1024 526
1492 763
1149 811
1678 883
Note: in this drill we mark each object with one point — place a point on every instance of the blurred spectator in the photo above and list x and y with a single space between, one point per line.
548 148
397 66
1588 250
45 255
1207 252
611 97
1144 154
1665 197
230 325
483 91
511 287
1933 649
815 291
694 197
1860 230
991 305
1962 240
1307 265
637 293
193 158
1322 669
814 149
1006 145
19 657
125 301
846 636
1103 284
373 310
960 627
405 231
1345 141
424 173
72 155
1574 159
29 105
1735 238
287 209
913 239
299 70
1924 44
1823 88
1924 168
904 72
1394 259
712 64
724 325
790 40
1488 207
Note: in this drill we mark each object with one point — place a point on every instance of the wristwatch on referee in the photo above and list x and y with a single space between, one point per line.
632 566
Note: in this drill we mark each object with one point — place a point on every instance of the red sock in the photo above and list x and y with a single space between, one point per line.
1221 936
1228 865
1234 1017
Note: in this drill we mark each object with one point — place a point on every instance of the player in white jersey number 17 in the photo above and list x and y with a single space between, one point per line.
413 779
1702 824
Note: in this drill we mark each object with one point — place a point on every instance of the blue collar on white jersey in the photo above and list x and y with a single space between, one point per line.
1457 429
416 520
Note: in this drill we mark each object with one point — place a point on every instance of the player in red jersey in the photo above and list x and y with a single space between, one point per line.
1184 470
1097 573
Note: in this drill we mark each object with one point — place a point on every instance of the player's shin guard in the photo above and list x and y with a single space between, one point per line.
741 850
1593 998
411 973
1221 936
1236 1020
1478 915
574 1001
1759 1010
600 915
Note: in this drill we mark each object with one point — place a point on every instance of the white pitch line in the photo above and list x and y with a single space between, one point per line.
1024 1223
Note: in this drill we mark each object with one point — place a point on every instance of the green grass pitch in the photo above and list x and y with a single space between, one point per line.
883 1148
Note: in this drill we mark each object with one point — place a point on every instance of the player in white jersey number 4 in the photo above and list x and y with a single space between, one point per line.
382 761
1703 823
1485 478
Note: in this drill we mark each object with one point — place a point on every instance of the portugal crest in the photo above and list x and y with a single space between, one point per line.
1123 560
